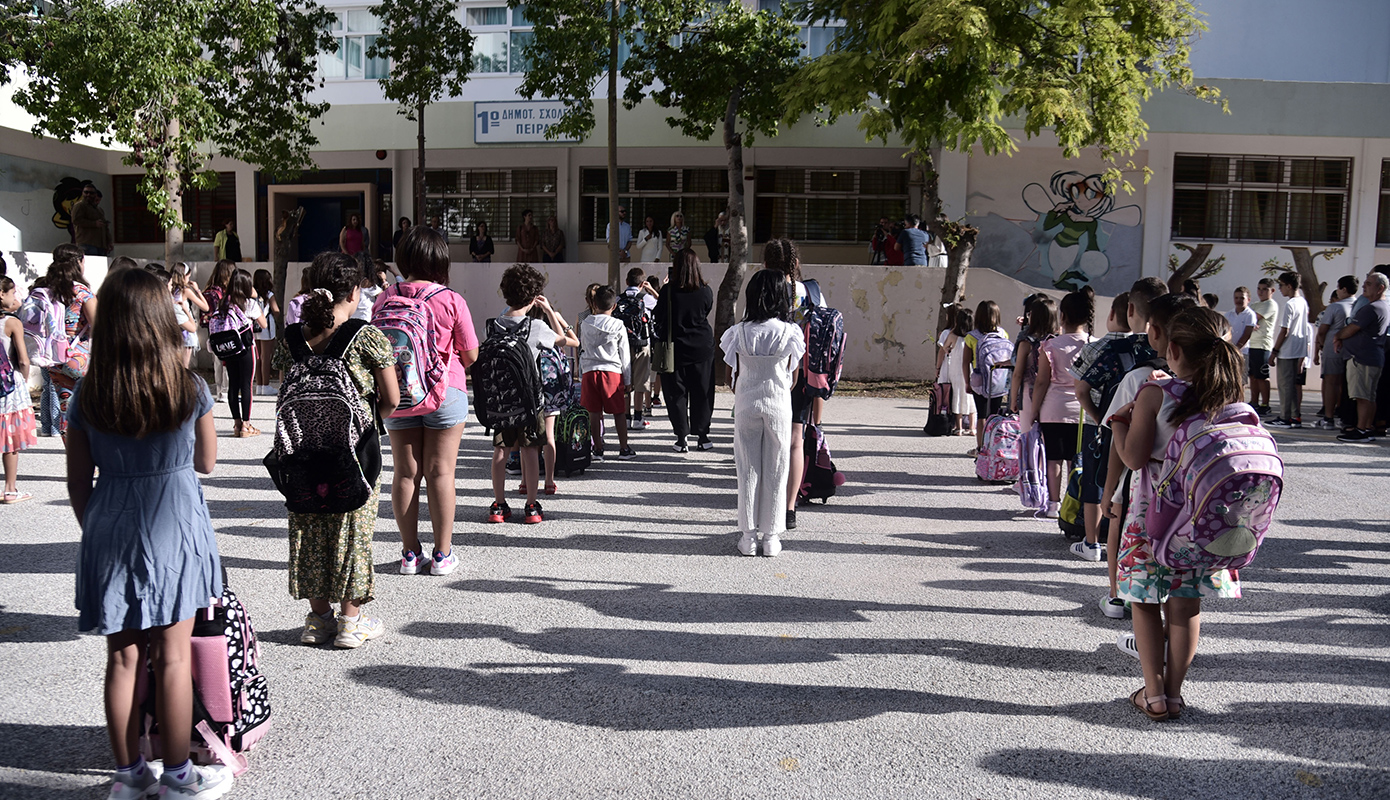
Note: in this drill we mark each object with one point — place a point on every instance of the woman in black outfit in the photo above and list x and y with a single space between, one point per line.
685 304
480 246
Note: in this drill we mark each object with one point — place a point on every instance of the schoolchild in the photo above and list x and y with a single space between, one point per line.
1292 352
521 287
950 369
265 336
148 560
558 399
241 368
1262 344
986 324
67 285
189 304
331 554
639 288
1054 397
17 424
213 293
606 363
762 352
1040 327
1167 603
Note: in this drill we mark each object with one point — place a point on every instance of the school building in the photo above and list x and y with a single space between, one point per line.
1302 159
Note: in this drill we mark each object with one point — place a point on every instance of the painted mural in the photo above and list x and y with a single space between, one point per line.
1064 233
67 192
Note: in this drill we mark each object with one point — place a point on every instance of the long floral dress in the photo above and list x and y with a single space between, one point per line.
331 554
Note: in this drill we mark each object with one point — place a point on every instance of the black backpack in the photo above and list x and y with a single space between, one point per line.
820 478
636 318
507 391
327 453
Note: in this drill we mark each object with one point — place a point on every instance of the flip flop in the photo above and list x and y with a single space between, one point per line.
10 498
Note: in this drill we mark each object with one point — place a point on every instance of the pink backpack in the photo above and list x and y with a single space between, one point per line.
1215 497
421 370
998 459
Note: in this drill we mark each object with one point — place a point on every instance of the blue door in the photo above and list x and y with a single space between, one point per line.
323 220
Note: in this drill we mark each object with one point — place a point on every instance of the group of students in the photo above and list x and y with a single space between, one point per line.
141 430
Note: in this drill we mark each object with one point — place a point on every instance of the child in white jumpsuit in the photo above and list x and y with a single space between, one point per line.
764 351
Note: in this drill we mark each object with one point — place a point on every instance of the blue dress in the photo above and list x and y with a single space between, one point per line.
148 556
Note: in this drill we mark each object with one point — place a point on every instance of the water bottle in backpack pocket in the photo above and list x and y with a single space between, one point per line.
422 372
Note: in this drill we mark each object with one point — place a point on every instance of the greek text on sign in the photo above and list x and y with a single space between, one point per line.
516 121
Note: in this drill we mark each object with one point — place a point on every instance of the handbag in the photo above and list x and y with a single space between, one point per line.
664 350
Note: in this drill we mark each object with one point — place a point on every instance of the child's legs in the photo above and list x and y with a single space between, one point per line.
1054 481
441 453
549 450
219 376
1331 394
125 657
322 607
1184 627
771 518
170 652
796 468
748 464
1148 638
499 471
11 471
239 373
620 422
531 467
267 350
407 455
48 405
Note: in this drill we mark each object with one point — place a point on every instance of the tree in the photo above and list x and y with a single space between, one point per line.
1195 267
1313 289
725 72
947 74
563 65
177 80
431 54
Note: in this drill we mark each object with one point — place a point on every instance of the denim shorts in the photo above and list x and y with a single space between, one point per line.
453 411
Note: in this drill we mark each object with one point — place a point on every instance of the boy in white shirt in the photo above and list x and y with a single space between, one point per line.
1243 321
1291 349
606 362
1261 344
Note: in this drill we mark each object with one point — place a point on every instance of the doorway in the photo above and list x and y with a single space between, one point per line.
324 218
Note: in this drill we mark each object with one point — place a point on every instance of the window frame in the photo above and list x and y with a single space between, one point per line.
340 33
593 208
811 201
543 203
1232 202
219 205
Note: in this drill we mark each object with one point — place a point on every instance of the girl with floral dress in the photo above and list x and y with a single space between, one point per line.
1167 603
331 554
17 424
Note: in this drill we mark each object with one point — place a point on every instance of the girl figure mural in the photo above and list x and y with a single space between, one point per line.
1076 215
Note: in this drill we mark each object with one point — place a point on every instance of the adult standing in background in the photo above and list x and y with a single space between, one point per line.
438 227
677 235
712 241
528 239
1291 351
1362 342
624 234
480 245
354 238
552 242
90 230
648 244
402 227
683 308
1334 365
226 244
878 242
913 241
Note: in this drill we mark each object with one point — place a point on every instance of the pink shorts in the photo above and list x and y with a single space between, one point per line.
602 393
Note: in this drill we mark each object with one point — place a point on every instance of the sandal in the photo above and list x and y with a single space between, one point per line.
521 489
10 498
1156 716
551 488
1176 705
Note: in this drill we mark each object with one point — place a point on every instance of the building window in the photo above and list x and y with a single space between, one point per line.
826 205
499 35
463 198
1383 216
1231 198
700 194
815 38
205 210
355 30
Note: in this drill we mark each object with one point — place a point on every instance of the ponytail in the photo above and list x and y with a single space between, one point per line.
1203 337
334 276
1079 308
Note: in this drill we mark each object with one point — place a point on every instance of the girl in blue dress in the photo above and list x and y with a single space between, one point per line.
148 560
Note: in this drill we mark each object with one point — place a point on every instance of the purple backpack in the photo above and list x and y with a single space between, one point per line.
408 322
1032 469
993 359
1215 496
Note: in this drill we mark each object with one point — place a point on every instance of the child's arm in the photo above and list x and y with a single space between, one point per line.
274 305
194 295
189 322
941 354
1135 431
1015 398
625 355
205 444
388 392
1114 468
15 330
81 468
1083 395
1040 386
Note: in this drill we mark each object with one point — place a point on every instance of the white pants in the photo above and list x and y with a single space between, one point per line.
762 455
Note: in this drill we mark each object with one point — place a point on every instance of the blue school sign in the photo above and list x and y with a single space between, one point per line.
516 121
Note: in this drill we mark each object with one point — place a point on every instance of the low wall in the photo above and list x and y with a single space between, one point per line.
890 312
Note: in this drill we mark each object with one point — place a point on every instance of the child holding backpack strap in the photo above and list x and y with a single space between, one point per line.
331 553
987 348
1208 378
148 561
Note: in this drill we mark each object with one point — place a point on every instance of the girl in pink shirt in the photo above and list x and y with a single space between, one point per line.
1055 405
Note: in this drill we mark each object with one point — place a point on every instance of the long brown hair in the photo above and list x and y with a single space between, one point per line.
1203 338
62 278
221 274
137 384
782 255
987 316
685 273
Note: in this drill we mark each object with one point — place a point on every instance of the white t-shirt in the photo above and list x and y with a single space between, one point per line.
1129 389
1240 321
1295 321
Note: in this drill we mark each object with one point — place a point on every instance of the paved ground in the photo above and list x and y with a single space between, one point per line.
919 637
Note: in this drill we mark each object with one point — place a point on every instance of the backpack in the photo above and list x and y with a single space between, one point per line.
938 411
229 332
573 445
327 452
1032 470
989 377
45 329
1215 497
506 378
820 478
1071 518
998 459
636 318
231 702
825 346
556 379
421 370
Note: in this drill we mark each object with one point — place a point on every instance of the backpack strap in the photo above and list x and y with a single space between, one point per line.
342 340
813 292
294 339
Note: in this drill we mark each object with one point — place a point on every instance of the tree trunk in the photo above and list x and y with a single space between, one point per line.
281 262
613 222
420 169
1196 258
738 224
173 187
1314 291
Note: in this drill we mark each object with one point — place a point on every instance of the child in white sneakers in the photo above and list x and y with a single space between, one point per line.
606 361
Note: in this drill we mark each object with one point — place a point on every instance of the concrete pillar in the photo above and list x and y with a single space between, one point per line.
1158 207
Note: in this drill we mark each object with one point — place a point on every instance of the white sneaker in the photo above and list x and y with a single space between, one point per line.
748 544
208 783
442 564
772 545
1053 511
413 563
1088 552
1112 607
354 634
1127 645
317 630
148 786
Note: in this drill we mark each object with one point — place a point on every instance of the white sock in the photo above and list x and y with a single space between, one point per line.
134 771
354 617
181 774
